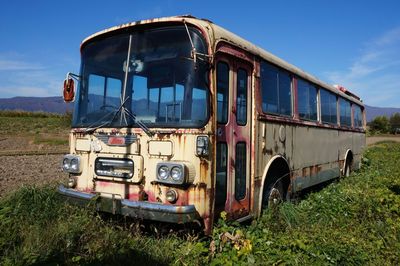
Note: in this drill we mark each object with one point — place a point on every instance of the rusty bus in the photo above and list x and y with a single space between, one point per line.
177 119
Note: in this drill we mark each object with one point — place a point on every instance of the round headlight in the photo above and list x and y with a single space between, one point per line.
176 173
171 196
66 164
74 164
163 172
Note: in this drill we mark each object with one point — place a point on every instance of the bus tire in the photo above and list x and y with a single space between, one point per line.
347 165
347 169
275 192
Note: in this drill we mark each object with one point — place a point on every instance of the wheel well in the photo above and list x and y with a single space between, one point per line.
279 168
349 158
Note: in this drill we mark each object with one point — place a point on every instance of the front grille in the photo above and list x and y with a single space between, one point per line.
111 167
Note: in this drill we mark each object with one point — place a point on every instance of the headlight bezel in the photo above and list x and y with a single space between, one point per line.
170 180
71 163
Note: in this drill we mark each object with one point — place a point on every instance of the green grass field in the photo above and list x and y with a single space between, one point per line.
352 222
33 130
28 123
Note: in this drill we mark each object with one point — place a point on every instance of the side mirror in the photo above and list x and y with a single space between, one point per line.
69 90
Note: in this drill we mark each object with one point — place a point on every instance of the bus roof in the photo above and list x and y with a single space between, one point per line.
221 34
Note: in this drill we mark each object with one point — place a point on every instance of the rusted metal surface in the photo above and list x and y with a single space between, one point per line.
199 194
267 138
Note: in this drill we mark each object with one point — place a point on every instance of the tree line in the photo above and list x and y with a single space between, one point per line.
383 124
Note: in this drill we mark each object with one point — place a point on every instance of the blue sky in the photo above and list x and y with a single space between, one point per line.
352 43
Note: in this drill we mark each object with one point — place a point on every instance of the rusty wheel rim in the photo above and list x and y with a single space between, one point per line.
275 197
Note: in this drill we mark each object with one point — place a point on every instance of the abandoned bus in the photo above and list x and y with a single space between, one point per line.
177 119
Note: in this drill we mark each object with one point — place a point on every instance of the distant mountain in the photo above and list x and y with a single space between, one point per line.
46 104
373 112
57 105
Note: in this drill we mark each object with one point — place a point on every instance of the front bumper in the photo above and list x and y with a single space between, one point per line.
136 209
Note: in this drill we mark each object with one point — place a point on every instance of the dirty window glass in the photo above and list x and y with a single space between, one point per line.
241 97
103 93
276 90
161 85
240 171
358 118
307 100
345 113
221 186
222 92
328 107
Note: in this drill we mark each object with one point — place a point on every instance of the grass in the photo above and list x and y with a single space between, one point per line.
37 128
352 222
28 123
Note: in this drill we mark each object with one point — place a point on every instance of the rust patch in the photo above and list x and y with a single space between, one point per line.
203 170
341 164
304 172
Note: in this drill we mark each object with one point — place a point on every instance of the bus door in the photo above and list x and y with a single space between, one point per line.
234 79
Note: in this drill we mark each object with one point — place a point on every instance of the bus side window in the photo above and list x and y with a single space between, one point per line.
241 97
221 164
240 171
222 92
328 107
345 112
358 119
307 100
276 90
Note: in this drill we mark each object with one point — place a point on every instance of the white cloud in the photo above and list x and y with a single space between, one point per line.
25 91
375 74
12 65
20 77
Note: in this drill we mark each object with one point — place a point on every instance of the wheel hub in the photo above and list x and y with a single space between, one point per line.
275 197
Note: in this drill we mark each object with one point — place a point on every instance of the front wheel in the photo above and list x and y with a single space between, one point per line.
273 194
347 170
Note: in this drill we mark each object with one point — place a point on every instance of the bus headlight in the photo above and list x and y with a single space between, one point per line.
163 172
71 164
65 165
171 196
74 164
202 146
175 173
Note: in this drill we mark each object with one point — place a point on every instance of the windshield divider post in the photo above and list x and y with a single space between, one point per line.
126 78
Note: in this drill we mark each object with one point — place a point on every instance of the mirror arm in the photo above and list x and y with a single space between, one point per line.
191 41
194 53
74 76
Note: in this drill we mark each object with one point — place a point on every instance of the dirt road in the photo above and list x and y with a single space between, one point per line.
16 171
24 162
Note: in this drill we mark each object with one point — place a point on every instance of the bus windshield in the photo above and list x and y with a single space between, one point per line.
148 73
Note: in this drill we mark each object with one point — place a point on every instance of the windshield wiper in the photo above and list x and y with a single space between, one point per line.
92 129
123 110
138 122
